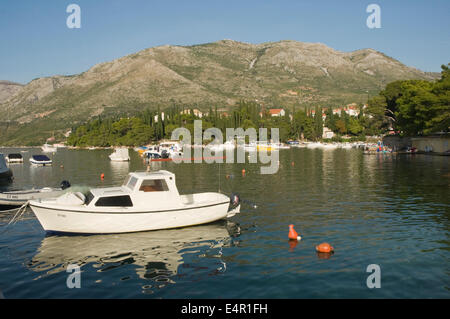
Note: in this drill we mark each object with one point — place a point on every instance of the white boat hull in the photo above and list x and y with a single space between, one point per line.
43 163
122 221
18 198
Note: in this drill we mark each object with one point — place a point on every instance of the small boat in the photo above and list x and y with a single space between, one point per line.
155 152
17 198
47 148
173 148
40 160
5 171
141 149
251 147
14 158
313 145
146 201
263 146
345 145
120 155
329 146
280 146
154 155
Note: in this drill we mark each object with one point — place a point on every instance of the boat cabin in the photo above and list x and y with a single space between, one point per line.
40 160
140 189
14 158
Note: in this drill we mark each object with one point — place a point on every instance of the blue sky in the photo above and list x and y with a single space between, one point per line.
36 41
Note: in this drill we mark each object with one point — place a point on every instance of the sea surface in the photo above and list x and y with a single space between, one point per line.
389 210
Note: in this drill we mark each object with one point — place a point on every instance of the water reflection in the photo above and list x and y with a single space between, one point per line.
155 255
120 169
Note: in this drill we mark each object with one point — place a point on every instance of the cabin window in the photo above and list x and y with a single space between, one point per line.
132 182
89 197
154 185
116 201
126 181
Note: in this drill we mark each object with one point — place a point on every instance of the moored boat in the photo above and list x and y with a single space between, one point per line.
40 160
120 155
16 198
14 158
146 201
47 148
5 171
173 148
279 146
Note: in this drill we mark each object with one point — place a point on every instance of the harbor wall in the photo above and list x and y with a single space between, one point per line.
435 144
397 142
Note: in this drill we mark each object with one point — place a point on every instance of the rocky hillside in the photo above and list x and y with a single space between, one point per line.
284 73
8 89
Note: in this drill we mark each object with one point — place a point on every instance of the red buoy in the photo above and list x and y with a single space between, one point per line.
293 234
324 248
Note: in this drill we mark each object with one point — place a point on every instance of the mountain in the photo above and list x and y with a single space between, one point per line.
7 89
285 73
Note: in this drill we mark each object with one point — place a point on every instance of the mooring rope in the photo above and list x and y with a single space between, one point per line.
20 211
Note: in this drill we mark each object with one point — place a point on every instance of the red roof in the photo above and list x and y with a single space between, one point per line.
275 111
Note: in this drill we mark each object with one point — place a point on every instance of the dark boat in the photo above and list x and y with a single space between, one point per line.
5 171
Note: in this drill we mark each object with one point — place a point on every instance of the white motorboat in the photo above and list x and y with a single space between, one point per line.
146 201
173 148
314 145
14 158
5 171
279 146
47 148
155 152
329 146
40 160
16 198
345 145
228 145
120 155
251 147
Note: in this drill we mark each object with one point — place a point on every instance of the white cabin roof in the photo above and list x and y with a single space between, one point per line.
152 175
110 191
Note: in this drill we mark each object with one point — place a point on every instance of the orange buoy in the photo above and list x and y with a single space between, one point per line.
292 163
102 176
324 248
243 171
293 234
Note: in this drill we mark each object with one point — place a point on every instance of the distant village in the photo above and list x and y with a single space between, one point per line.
351 109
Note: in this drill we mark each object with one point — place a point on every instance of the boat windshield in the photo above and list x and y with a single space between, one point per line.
131 182
126 180
154 185
89 197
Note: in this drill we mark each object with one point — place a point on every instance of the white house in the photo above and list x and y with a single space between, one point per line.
277 112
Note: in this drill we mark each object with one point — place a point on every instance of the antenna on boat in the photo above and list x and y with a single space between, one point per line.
219 177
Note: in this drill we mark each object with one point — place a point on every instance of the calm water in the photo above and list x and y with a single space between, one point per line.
393 211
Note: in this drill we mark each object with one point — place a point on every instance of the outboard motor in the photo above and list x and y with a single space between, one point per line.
235 200
65 185
164 154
